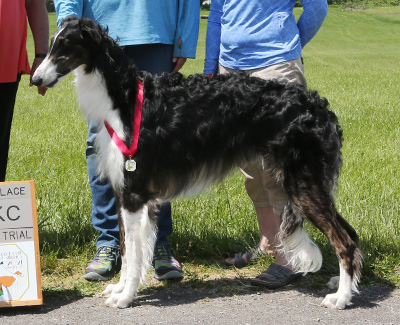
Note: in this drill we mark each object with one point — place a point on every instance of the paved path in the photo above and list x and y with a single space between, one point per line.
185 305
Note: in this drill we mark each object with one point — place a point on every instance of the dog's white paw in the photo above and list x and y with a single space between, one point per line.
333 283
108 291
336 301
112 301
119 300
113 289
125 301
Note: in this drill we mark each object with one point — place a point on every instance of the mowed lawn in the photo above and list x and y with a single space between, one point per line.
353 61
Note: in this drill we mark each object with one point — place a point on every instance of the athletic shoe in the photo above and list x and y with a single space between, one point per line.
105 264
166 267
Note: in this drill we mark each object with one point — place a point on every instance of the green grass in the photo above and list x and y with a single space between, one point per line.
353 61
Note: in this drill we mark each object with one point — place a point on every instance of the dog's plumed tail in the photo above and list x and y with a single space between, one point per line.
300 251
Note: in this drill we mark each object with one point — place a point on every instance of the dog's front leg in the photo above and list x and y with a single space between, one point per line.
140 234
119 287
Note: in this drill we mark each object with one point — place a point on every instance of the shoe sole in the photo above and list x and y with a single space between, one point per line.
171 275
93 276
271 285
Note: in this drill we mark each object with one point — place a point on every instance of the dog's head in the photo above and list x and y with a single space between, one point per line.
72 45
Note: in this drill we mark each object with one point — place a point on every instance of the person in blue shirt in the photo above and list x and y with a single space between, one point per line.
158 36
262 38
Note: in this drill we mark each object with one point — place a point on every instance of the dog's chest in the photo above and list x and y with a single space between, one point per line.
110 160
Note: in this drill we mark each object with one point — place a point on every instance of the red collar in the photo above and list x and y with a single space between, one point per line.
137 117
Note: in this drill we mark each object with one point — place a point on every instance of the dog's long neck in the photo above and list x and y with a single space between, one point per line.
93 98
111 81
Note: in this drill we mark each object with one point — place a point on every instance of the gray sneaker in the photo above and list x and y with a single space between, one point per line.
166 267
106 263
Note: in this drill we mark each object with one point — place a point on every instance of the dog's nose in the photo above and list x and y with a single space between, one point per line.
37 81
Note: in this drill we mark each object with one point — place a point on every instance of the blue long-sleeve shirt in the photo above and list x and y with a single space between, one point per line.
141 21
252 34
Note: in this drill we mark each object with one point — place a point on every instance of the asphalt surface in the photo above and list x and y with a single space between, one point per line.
185 305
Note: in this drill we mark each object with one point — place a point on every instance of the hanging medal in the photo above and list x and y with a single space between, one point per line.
130 165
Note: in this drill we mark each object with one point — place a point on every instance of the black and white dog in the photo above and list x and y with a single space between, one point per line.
193 132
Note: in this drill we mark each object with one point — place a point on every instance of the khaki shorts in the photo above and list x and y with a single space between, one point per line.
261 187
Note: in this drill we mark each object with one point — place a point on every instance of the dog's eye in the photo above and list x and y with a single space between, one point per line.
64 42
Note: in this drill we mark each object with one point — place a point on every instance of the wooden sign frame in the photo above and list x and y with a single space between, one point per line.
20 273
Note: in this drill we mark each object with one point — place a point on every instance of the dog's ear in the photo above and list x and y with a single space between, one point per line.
90 30
69 20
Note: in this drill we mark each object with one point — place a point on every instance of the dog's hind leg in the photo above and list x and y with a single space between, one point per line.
321 211
310 196
345 241
140 234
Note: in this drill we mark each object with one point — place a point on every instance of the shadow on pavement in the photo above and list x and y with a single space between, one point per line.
185 293
181 293
50 303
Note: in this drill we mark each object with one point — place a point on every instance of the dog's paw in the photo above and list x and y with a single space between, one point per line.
119 301
333 283
113 289
108 291
336 301
125 301
112 301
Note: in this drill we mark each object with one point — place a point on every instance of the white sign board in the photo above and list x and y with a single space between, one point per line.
20 277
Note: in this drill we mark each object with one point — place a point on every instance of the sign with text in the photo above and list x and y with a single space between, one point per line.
20 277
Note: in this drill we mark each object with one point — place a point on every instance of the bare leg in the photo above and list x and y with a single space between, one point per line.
269 224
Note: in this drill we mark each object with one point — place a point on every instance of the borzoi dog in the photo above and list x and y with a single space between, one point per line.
164 136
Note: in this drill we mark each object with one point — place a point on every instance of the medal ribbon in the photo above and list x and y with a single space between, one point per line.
137 118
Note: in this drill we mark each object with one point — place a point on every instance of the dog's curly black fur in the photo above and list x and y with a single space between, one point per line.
197 129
